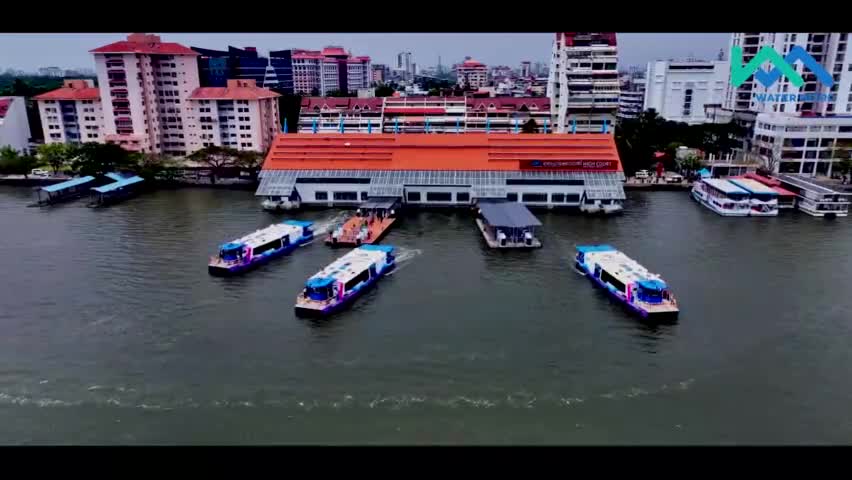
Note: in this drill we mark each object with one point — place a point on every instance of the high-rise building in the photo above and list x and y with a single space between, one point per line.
472 73
678 91
583 82
405 65
322 72
216 67
631 98
526 68
145 85
72 114
241 115
380 73
828 49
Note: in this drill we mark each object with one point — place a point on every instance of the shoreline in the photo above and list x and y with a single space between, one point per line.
33 182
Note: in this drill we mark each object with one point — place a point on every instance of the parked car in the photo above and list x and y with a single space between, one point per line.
673 178
642 174
38 172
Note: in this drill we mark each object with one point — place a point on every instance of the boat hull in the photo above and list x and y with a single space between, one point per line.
700 198
346 302
240 268
669 316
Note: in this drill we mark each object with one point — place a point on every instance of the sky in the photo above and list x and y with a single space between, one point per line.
28 52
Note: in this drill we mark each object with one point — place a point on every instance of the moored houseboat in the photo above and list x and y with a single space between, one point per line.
815 199
786 198
763 200
338 285
507 225
722 197
260 247
628 282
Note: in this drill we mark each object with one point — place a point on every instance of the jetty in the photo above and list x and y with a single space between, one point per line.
507 225
111 193
371 222
60 192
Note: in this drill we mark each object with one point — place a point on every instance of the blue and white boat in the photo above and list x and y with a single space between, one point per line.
722 196
338 285
624 279
260 247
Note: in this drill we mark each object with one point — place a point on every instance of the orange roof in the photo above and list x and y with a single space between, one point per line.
236 90
69 93
469 151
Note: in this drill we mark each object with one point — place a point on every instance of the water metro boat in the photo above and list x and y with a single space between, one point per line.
260 247
338 285
628 282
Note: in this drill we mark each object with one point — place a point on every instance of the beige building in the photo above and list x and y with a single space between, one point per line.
241 116
472 73
72 114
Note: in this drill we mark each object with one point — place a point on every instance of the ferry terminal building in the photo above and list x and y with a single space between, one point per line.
540 170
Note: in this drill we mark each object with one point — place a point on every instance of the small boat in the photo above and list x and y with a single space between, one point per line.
722 196
370 223
627 281
260 247
274 203
338 285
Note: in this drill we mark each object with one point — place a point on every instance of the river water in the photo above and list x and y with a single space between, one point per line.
112 332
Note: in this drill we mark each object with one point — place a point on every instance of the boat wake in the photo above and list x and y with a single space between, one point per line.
404 257
324 226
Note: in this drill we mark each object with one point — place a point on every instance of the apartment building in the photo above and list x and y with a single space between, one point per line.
241 115
583 83
678 91
328 70
358 115
72 114
804 144
506 114
144 88
631 98
814 96
472 73
421 114
14 126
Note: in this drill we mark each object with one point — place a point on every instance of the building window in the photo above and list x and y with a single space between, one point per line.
534 197
463 197
346 196
512 197
363 196
413 196
557 197
320 195
439 197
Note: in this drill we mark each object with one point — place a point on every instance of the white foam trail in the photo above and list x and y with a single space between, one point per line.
404 256
324 226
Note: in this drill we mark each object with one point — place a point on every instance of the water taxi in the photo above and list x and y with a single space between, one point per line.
722 196
260 247
763 199
338 285
627 281
370 223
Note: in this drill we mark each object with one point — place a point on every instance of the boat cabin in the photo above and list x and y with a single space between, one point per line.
652 291
232 252
508 225
815 199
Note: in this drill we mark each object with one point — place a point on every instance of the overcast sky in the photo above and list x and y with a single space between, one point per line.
30 51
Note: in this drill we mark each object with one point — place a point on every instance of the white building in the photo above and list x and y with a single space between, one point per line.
241 116
678 91
14 126
807 145
50 71
322 72
583 82
472 73
72 114
144 85
631 99
828 49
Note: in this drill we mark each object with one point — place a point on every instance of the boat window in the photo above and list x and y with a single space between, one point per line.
413 196
512 197
462 197
439 197
318 294
534 197
230 255
607 278
267 246
361 277
321 195
649 296
350 196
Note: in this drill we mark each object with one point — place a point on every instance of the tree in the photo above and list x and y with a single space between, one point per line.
14 163
530 126
217 158
151 166
99 158
338 93
690 164
54 154
384 91
251 161
769 163
315 92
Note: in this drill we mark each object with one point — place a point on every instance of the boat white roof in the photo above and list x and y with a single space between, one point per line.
269 233
753 186
724 186
350 265
620 266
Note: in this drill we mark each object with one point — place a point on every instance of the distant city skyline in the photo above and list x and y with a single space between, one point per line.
29 52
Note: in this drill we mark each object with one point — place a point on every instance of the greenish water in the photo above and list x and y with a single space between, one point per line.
112 332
